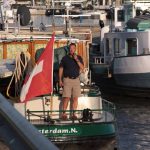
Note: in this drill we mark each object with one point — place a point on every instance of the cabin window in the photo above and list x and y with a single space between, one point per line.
117 46
131 46
101 2
107 2
121 15
129 13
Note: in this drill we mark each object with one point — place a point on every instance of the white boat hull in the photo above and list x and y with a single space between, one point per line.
132 71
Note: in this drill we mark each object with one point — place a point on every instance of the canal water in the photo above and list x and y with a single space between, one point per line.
133 122
59 21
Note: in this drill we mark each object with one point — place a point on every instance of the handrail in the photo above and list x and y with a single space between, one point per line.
112 104
49 111
107 108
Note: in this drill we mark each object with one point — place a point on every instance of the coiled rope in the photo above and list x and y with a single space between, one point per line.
23 66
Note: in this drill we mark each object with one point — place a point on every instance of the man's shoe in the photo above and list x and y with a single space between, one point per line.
64 116
74 117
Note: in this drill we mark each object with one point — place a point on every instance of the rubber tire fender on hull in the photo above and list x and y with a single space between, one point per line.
25 15
50 12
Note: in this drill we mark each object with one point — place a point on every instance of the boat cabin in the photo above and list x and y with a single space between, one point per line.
129 43
132 41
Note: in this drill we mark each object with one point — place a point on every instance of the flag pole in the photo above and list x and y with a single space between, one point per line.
51 97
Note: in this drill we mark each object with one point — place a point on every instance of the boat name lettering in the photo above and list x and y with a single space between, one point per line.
60 131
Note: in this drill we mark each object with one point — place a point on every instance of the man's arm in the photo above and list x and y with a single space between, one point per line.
79 62
60 76
80 65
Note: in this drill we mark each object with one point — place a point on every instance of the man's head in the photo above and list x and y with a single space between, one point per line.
72 48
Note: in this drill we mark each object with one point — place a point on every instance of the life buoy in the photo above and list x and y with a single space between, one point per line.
25 15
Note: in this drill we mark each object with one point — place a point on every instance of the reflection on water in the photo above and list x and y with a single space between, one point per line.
38 19
58 21
103 144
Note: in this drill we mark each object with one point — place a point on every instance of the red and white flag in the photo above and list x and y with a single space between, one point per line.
40 81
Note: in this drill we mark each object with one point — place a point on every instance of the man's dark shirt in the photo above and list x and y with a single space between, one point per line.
70 66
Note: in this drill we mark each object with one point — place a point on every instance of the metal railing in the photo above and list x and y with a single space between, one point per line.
106 114
109 107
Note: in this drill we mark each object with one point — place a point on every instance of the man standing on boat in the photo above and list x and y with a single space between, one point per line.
69 70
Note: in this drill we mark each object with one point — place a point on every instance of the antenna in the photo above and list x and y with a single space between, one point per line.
67 17
2 20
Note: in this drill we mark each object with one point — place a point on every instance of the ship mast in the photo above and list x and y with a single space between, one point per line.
118 2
